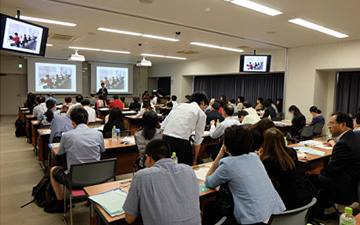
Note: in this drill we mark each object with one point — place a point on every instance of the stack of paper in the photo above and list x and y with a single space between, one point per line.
201 173
130 140
317 144
111 201
202 188
54 145
206 133
310 151
47 131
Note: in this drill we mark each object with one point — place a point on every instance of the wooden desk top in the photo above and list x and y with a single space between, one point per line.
357 217
125 185
45 131
109 144
30 116
310 157
34 122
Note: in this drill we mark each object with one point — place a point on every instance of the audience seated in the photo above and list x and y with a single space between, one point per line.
246 118
122 99
279 105
50 113
60 125
210 104
116 119
187 98
169 106
65 107
255 198
269 109
135 105
223 101
78 99
338 184
317 117
165 192
298 121
259 105
91 112
146 106
247 107
181 122
100 103
92 100
40 109
257 130
30 102
116 103
214 114
229 120
356 120
148 131
51 97
240 104
232 102
173 100
282 166
81 145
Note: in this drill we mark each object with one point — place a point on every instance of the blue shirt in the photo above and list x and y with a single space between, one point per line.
44 118
255 198
81 145
167 193
59 125
51 98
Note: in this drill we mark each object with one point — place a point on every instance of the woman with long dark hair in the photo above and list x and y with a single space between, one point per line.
148 131
50 113
116 119
317 117
257 130
146 106
298 121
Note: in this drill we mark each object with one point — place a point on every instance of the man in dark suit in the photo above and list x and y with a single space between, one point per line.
103 91
214 114
338 184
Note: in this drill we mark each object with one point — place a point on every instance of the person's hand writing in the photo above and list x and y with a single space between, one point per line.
212 122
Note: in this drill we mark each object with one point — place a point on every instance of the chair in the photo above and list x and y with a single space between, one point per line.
294 217
307 133
318 128
276 118
123 133
87 174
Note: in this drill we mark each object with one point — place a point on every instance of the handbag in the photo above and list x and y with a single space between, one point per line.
224 201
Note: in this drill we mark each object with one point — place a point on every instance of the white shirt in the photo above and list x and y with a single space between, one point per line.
252 111
251 119
91 112
183 120
219 131
154 101
174 103
76 104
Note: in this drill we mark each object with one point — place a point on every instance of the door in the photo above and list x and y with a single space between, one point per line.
12 93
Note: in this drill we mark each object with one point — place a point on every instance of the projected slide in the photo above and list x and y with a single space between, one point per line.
115 79
53 77
19 36
255 63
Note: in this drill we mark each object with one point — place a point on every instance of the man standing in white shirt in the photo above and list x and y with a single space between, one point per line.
91 112
182 121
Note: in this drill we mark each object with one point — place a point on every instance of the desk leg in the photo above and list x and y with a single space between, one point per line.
33 136
94 217
40 149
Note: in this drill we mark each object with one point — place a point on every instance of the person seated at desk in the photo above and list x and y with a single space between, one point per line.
135 105
168 108
165 192
356 121
116 103
259 105
78 99
338 184
173 100
146 106
282 166
247 107
40 109
269 110
232 102
91 112
100 103
81 145
255 198
229 120
116 119
67 105
92 100
298 121
214 114
257 130
240 104
148 131
50 113
51 97
279 105
60 125
246 118
179 125
317 117
125 104
30 102
208 108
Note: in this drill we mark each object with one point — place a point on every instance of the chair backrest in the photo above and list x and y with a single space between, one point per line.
87 174
294 217
318 128
95 123
307 132
279 115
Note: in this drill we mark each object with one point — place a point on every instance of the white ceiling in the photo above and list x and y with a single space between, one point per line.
208 21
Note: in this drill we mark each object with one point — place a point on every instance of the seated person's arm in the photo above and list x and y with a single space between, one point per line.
129 218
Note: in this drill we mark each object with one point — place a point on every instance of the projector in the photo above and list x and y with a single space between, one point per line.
143 63
76 57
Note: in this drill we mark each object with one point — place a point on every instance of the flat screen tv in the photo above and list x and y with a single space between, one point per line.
255 63
20 36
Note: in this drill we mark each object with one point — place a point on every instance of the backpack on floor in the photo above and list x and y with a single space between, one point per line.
20 128
43 192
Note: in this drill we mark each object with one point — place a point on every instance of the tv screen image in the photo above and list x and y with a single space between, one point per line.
115 79
21 36
255 63
52 77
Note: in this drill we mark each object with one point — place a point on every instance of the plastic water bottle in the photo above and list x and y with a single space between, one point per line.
217 122
286 142
328 135
113 137
347 218
117 134
174 157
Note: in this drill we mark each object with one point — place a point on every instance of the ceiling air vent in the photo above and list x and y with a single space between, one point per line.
62 37
187 52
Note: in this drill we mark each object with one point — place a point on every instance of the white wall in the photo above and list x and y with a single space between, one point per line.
181 72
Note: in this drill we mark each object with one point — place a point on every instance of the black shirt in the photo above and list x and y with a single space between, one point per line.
213 115
135 106
109 126
269 111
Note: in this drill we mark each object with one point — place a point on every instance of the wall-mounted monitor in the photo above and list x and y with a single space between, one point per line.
20 36
117 78
55 76
255 63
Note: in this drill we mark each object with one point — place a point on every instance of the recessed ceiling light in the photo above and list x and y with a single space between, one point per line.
162 56
83 48
216 47
317 27
256 7
99 50
137 34
47 21
49 45
115 51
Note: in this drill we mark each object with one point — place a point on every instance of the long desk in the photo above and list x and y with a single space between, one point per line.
126 155
97 211
28 119
22 112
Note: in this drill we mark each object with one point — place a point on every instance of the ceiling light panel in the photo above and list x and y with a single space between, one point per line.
317 27
99 50
256 7
216 47
47 21
162 56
